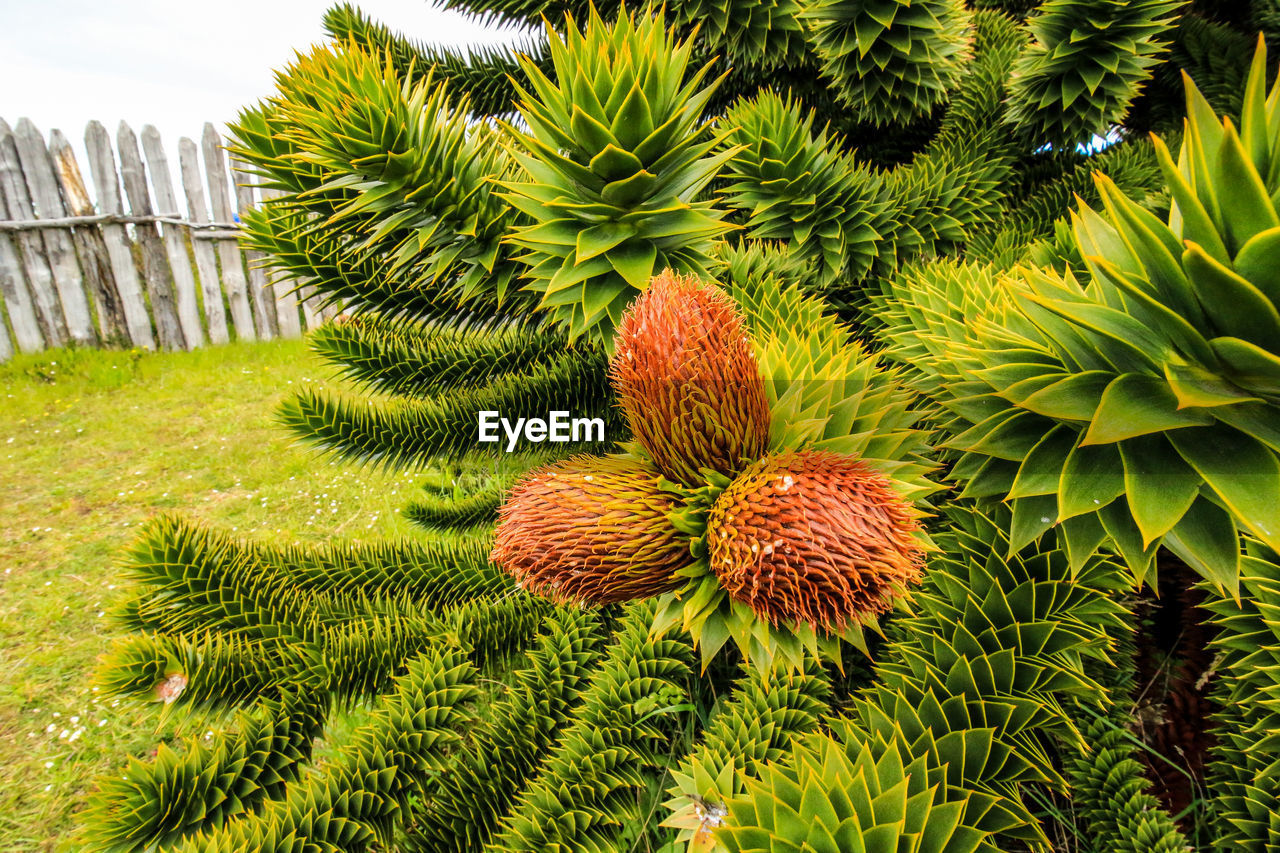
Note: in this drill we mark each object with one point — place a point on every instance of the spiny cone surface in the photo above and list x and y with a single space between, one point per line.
813 536
688 381
590 529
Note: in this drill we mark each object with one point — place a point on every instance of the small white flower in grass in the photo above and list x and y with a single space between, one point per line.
48 765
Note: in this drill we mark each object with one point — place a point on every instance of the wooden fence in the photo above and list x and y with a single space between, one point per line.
132 270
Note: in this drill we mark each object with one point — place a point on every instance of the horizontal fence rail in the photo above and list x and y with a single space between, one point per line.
131 269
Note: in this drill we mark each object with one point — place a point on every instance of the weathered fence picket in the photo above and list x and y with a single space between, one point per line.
155 265
35 264
102 166
17 302
47 198
233 280
206 257
264 304
77 267
95 263
175 246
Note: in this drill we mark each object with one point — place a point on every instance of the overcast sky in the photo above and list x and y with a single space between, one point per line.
172 63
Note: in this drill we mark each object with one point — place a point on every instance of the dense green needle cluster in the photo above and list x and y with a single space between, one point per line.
1136 402
891 61
961 718
942 443
615 157
1109 789
1085 66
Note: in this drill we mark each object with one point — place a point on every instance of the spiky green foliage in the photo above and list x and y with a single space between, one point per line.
207 579
761 34
337 274
966 693
615 158
368 151
346 662
485 73
413 360
1216 56
467 501
483 267
755 727
849 219
1109 794
412 432
461 811
1266 17
359 797
1085 66
889 60
825 391
1245 776
222 624
1052 180
831 797
593 790
799 187
202 785
1136 408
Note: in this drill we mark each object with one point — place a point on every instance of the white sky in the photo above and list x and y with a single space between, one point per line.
172 63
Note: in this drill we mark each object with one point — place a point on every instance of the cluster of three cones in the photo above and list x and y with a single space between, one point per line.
799 536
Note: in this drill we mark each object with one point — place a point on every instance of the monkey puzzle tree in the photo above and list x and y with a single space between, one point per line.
900 426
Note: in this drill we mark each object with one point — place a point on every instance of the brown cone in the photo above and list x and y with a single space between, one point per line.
688 381
590 529
813 536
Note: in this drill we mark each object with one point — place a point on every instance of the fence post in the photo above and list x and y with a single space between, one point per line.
94 259
264 308
102 168
155 266
44 295
47 199
17 301
215 313
6 343
228 250
184 281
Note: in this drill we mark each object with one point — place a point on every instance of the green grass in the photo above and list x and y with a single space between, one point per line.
92 445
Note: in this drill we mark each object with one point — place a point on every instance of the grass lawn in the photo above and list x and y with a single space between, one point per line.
92 445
